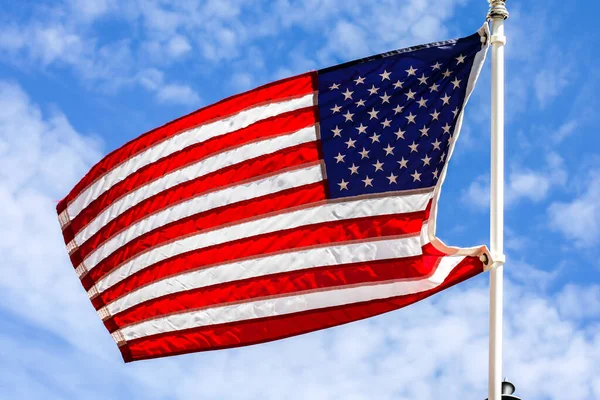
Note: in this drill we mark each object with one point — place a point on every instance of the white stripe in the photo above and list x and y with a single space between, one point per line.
279 263
201 168
181 141
209 201
291 304
424 234
393 204
63 219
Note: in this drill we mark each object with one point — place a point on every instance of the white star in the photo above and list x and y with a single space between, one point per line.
442 157
460 59
436 144
336 108
437 65
422 102
435 174
434 115
411 71
424 131
446 128
385 98
385 75
361 129
400 134
455 112
456 82
364 153
373 90
373 113
389 150
334 86
446 99
368 181
398 109
350 143
374 138
360 103
426 160
398 84
447 73
433 88
337 132
416 176
359 80
347 94
410 94
403 163
413 147
378 166
348 116
353 169
411 118
392 178
423 80
343 185
386 123
339 158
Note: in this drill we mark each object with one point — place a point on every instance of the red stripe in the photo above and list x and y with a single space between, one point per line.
256 331
275 126
296 238
274 91
217 217
278 284
291 157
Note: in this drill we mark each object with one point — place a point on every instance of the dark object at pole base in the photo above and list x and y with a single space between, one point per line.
507 391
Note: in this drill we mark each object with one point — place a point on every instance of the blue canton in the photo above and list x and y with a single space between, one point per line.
386 122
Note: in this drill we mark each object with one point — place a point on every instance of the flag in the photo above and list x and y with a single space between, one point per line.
303 204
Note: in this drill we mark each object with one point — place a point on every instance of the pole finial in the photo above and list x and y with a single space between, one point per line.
497 9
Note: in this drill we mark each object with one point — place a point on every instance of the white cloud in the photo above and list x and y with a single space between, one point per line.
42 156
160 34
478 192
564 131
550 81
178 46
579 219
347 39
576 302
152 79
242 80
175 93
522 183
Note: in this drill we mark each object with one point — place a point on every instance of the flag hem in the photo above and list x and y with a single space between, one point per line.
477 251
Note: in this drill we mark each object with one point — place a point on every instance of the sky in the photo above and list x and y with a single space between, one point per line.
79 78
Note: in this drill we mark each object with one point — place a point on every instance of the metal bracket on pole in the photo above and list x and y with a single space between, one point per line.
498 39
497 9
499 260
492 261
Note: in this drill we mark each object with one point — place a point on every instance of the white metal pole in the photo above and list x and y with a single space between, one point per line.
497 14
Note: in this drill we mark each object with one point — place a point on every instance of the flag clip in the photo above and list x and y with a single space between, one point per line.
498 39
490 261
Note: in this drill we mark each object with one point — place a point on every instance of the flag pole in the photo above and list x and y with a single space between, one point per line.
497 15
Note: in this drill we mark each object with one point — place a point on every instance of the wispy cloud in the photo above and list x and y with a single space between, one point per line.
156 35
579 219
522 184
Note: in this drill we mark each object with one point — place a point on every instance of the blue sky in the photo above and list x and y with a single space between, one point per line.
79 78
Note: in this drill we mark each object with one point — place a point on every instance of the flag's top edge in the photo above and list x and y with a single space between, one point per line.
480 33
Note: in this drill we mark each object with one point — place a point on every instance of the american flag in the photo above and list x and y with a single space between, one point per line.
303 204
